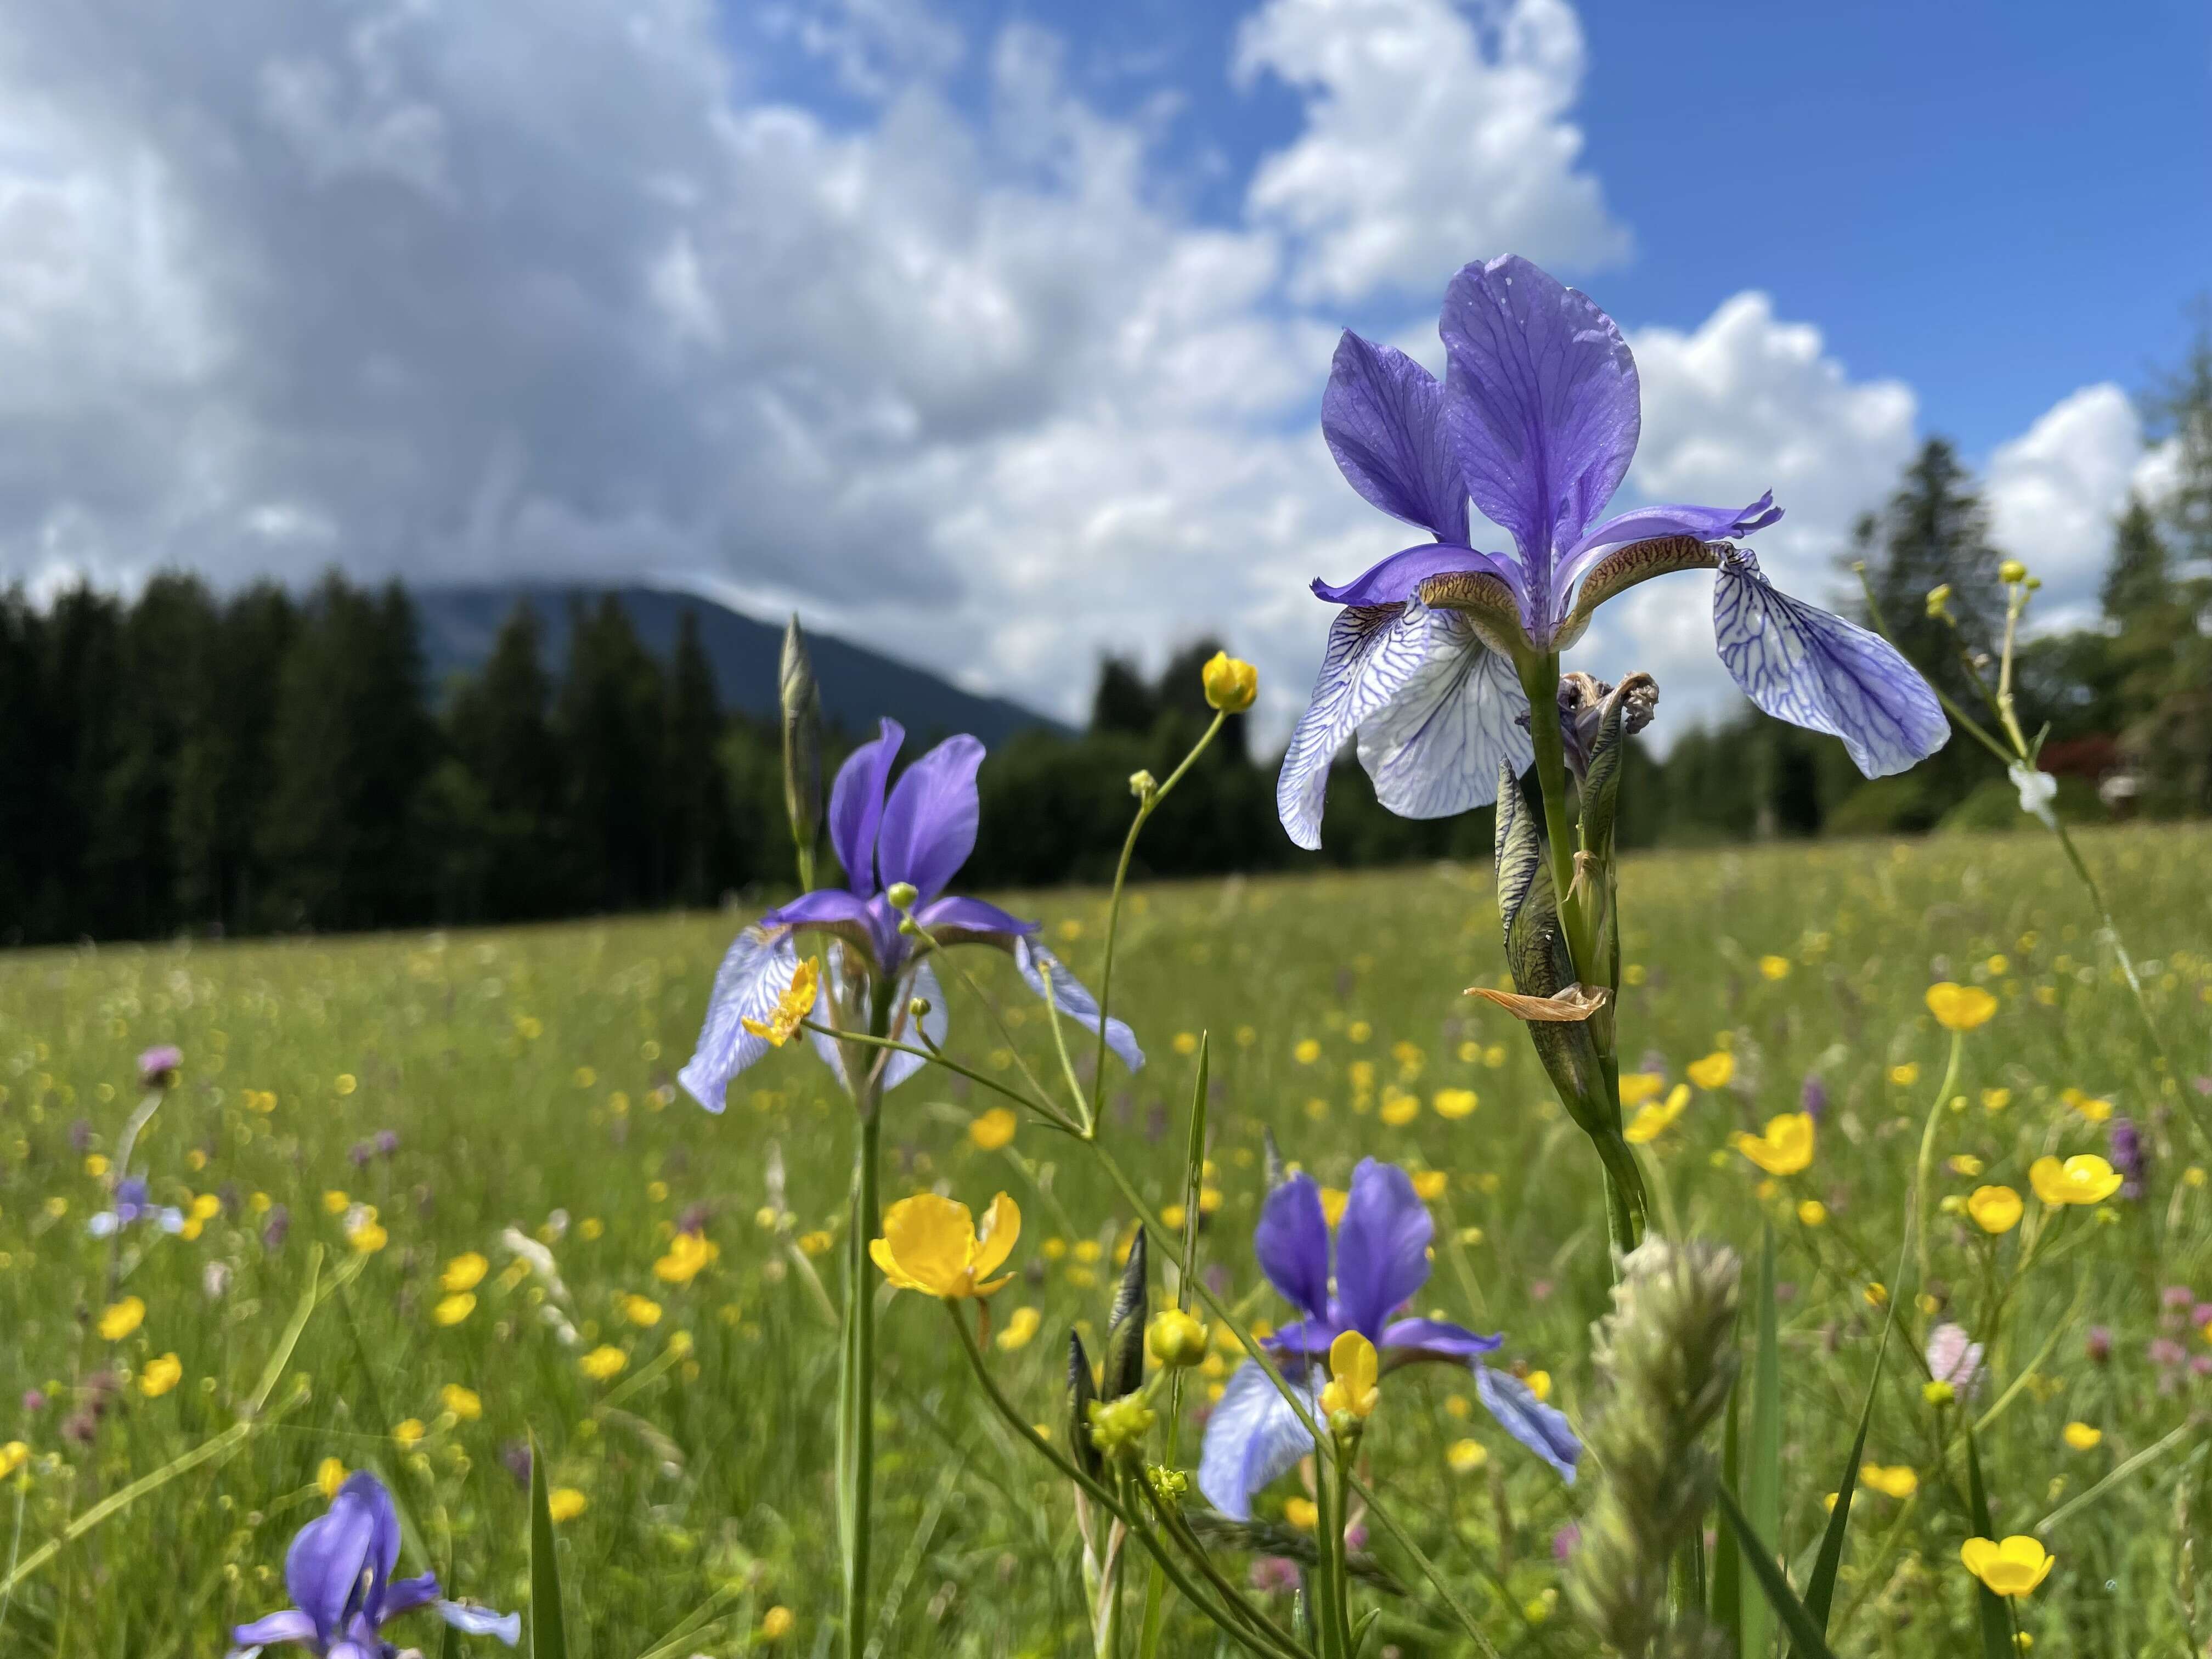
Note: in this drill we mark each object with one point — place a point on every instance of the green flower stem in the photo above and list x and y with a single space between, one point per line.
856 1383
1262 1642
1329 1621
1540 678
1924 1180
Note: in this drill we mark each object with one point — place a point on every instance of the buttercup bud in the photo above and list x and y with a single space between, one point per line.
1177 1340
917 1009
1143 785
1939 602
2011 571
902 894
1118 1427
1230 684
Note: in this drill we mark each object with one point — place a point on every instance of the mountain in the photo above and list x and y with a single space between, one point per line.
858 684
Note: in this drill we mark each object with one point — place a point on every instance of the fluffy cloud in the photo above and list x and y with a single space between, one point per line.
1430 130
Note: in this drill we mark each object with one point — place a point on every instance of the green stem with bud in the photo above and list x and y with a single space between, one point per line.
856 1381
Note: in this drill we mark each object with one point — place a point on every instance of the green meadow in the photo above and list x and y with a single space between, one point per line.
463 1159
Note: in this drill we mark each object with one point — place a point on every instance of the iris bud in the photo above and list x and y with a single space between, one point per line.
801 700
1230 684
902 894
1177 1340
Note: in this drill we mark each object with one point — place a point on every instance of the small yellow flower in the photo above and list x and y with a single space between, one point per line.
1466 1457
452 1309
2082 1437
1301 1513
330 1475
161 1376
335 1202
1540 1384
602 1362
2012 1568
1637 1087
1020 1329
1186 1042
1897 1480
1655 1119
1785 1148
1400 1108
776 1624
640 1309
816 1243
1938 1393
13 1456
688 1254
1714 1071
1995 1099
793 1006
2094 1108
1307 1051
931 1244
367 1234
1875 1295
409 1433
1429 1184
94 1165
345 1084
464 1273
1906 1075
1177 1341
1774 967
1995 1209
988 1131
1333 1200
465 1403
1171 1216
1813 1213
1230 684
1964 1163
122 1318
206 1207
1959 1007
1353 1374
565 1503
1453 1104
2085 1178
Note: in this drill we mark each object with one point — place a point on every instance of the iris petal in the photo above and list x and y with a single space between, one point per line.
1434 750
1436 1338
1252 1436
1383 416
1803 664
1372 651
1381 1246
1539 1427
289 1625
856 805
328 1559
482 1621
1292 1242
758 970
1073 998
928 827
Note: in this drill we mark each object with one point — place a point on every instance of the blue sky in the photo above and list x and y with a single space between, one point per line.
995 336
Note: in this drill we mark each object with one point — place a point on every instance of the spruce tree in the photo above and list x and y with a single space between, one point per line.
502 829
698 793
610 725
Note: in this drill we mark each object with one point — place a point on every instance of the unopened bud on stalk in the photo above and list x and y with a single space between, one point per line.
902 894
1230 684
1939 602
1143 785
2011 571
1118 1427
917 1009
1177 1341
802 744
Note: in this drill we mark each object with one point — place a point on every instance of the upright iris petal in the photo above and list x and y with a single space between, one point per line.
1381 1246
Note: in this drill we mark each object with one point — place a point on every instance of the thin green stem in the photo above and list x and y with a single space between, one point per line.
857 1383
1924 1170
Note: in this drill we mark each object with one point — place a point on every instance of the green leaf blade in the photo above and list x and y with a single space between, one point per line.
549 1636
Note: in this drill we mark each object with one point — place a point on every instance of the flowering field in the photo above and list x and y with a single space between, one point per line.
459 1170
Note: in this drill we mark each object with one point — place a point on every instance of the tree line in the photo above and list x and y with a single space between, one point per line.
185 761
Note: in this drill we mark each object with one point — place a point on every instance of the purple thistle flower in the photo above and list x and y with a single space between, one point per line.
2098 1344
2165 1352
1381 1261
1534 423
2176 1296
2130 1156
339 1573
276 1228
921 836
387 1142
1813 1097
158 1067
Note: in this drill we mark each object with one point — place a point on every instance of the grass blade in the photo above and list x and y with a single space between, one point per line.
1778 1599
1995 1622
548 1637
1763 1470
1728 1559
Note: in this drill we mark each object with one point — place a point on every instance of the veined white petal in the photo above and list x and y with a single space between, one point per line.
1372 651
1435 748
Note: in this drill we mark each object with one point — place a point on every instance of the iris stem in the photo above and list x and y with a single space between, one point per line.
1540 678
857 1383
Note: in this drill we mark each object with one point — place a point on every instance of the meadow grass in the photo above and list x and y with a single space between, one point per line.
525 1080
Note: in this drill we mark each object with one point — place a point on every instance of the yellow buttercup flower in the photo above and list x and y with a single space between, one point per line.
793 1006
330 1475
602 1362
1965 1164
1813 1213
1020 1329
931 1244
2082 1437
1896 1480
1714 1071
1637 1087
1959 1007
2012 1568
464 1273
410 1434
1995 1209
1333 1200
1654 1119
688 1254
640 1309
1177 1340
1785 1148
1774 967
2094 1108
565 1503
1230 683
1540 1384
366 1234
1906 1075
122 1318
465 1403
1301 1513
13 1456
776 1624
1353 1375
1466 1457
2085 1178
452 1309
1307 1051
988 1131
161 1376
1454 1104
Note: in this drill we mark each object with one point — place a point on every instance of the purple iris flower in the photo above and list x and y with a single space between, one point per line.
921 835
1381 1260
339 1572
132 1206
1535 422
